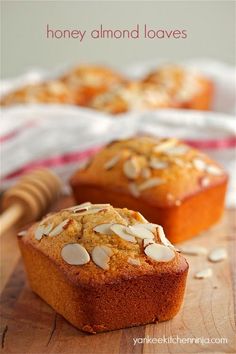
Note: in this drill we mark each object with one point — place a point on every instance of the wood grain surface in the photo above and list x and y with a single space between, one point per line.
28 325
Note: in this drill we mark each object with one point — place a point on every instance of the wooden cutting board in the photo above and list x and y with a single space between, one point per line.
28 325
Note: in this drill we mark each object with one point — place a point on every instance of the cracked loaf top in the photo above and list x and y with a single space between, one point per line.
162 172
95 244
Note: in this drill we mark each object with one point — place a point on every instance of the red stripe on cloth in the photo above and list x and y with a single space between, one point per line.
17 131
54 161
216 144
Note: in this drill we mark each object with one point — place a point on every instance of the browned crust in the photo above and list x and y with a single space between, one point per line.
105 307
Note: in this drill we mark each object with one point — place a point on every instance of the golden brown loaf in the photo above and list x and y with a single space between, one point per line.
186 87
78 86
104 89
169 182
104 268
167 87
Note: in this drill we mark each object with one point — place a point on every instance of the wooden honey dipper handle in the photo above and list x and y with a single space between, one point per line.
29 198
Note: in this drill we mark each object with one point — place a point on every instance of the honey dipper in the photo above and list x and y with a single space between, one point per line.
29 198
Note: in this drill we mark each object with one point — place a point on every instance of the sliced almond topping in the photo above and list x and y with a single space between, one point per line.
101 256
121 231
22 233
205 181
218 255
177 150
79 206
159 253
205 273
214 170
104 229
141 217
134 190
149 226
75 254
140 231
100 205
47 229
81 210
93 209
150 183
39 232
147 241
43 230
157 164
59 228
146 172
163 146
134 261
131 168
193 250
112 162
199 164
162 237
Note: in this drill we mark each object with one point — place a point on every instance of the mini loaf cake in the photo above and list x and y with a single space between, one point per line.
186 87
78 86
86 82
53 91
169 182
167 87
104 268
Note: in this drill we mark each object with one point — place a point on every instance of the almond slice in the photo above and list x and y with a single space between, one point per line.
79 206
193 250
90 210
159 253
147 241
134 261
205 181
59 228
80 210
101 256
43 230
214 170
134 190
75 254
140 231
22 233
104 229
112 162
205 273
177 150
163 146
141 217
157 164
100 206
199 164
146 173
163 238
39 232
121 231
218 255
149 226
131 168
150 183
